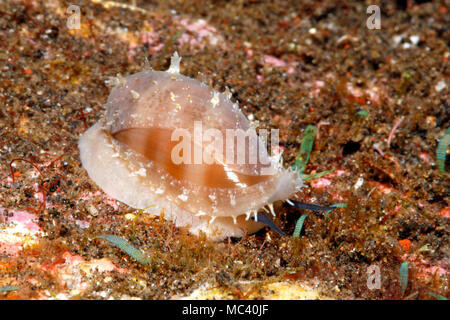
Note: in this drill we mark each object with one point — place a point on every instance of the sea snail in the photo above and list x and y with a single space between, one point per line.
130 152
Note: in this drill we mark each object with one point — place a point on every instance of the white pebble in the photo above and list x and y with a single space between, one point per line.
441 85
359 183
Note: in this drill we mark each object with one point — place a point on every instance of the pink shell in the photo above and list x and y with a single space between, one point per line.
133 168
